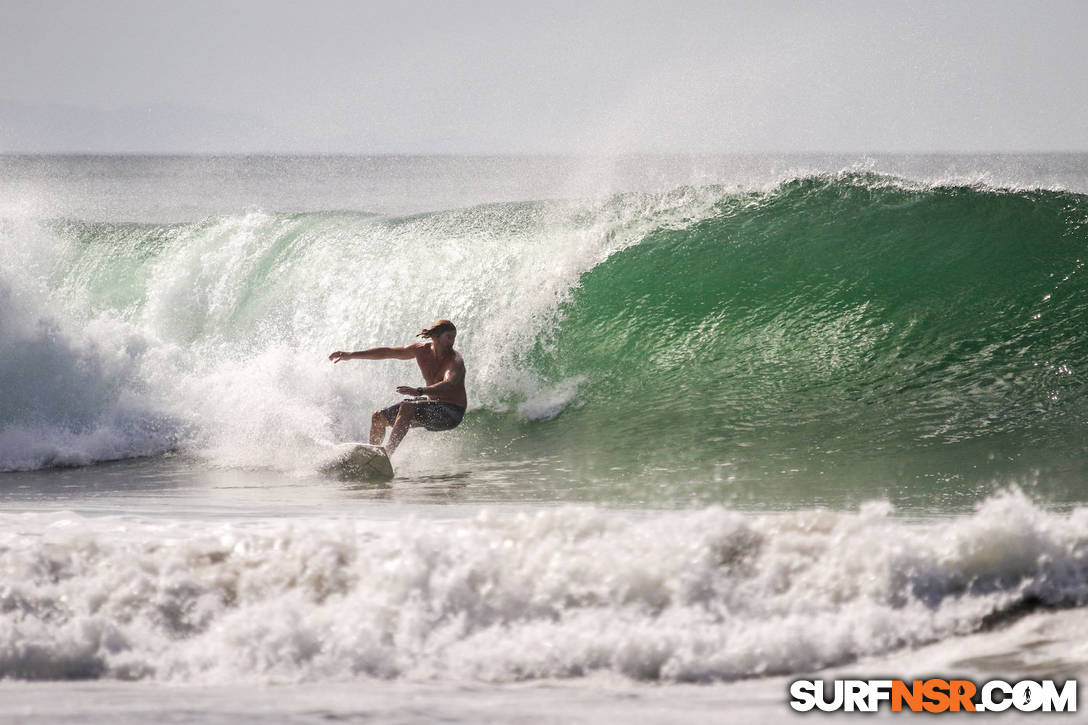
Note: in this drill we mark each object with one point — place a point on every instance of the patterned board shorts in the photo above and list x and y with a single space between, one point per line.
430 414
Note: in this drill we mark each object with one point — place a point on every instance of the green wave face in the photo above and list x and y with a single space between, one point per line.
844 326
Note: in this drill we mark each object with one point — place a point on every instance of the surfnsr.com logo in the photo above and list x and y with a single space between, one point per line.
933 695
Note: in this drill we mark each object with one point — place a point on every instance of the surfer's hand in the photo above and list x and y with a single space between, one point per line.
338 356
407 390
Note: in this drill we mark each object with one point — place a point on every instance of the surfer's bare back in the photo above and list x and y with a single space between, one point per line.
438 405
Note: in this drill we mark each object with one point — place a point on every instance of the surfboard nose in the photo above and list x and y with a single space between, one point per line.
365 462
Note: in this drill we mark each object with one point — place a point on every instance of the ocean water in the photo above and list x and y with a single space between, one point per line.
734 421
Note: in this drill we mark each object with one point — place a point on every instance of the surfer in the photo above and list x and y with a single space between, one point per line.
438 405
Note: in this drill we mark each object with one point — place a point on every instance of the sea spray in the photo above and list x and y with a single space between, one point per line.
236 314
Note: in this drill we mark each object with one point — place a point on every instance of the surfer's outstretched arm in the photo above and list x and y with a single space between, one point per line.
408 352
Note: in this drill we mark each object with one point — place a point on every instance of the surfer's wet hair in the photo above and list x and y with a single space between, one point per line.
437 329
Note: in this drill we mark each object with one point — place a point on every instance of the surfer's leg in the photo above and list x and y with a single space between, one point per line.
405 416
378 423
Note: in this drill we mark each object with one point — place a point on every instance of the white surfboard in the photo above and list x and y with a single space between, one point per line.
364 462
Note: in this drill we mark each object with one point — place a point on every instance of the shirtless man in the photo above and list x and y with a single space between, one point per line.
438 405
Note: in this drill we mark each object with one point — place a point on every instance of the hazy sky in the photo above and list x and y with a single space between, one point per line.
542 76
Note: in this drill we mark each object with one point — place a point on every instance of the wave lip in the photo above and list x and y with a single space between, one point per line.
688 596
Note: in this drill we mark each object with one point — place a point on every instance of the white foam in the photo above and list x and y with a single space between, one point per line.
710 594
71 395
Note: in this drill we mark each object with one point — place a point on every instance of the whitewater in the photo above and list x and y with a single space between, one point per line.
733 420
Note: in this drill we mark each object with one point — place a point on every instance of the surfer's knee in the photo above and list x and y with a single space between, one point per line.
379 418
